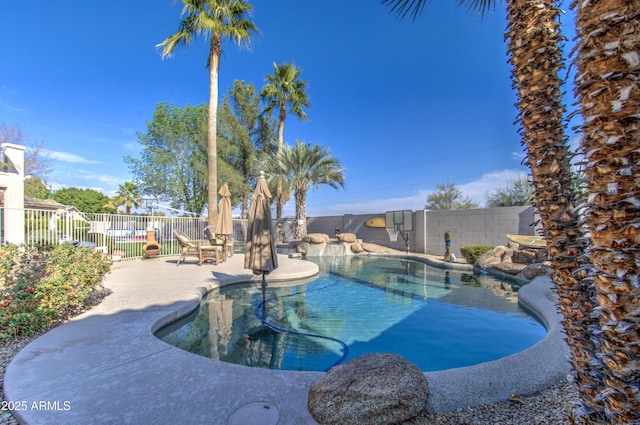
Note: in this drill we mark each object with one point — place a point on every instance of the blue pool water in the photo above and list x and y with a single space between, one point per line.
436 319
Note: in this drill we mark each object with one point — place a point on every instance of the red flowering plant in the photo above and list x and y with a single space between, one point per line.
20 271
44 285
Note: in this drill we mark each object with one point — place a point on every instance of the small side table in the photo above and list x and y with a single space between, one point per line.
210 252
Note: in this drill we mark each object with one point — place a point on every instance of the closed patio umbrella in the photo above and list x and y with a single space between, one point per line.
224 225
260 254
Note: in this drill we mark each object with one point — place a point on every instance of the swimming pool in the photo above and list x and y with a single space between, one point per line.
438 319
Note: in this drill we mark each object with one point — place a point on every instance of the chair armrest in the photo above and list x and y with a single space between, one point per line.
201 242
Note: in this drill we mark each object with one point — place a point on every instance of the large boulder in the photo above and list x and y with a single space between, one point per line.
524 256
347 237
379 388
497 255
532 271
357 248
509 268
316 238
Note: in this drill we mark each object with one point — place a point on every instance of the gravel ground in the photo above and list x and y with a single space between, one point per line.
552 406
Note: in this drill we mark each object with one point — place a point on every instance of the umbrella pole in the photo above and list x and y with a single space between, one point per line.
264 288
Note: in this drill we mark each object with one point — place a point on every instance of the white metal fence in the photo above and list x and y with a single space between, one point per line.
120 236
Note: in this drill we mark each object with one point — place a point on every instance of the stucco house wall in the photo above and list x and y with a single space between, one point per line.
12 188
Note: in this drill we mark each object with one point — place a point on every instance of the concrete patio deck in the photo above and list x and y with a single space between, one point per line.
107 367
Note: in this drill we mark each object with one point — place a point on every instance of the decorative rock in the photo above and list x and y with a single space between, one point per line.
524 256
347 237
357 248
504 253
532 271
379 388
302 248
487 259
316 238
509 268
542 255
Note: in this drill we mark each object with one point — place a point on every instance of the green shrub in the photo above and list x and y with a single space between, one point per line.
472 252
40 286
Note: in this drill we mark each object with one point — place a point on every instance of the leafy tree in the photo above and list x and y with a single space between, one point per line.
248 135
129 196
218 20
516 193
173 162
85 200
449 197
34 187
305 166
284 90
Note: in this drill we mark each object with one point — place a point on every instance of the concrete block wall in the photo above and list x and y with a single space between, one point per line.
350 223
487 226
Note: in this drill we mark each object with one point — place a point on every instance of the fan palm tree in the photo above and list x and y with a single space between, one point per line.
304 167
284 91
608 71
535 53
218 20
129 196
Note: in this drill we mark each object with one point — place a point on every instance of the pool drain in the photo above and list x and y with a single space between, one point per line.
260 413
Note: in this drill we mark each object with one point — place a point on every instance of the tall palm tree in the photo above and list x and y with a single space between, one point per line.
218 20
284 90
128 195
305 166
534 40
608 71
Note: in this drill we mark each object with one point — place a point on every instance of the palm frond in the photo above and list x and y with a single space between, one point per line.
482 7
402 8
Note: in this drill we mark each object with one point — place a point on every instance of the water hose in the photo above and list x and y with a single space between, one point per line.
345 347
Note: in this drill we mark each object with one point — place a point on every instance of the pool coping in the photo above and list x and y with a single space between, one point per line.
106 366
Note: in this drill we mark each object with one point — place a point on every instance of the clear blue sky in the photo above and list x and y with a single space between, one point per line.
403 105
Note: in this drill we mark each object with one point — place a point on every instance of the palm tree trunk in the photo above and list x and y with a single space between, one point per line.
212 154
534 47
301 213
608 64
283 116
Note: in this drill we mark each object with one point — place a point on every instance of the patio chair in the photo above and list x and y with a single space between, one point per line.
226 241
202 249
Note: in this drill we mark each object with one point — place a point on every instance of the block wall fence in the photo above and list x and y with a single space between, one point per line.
487 226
